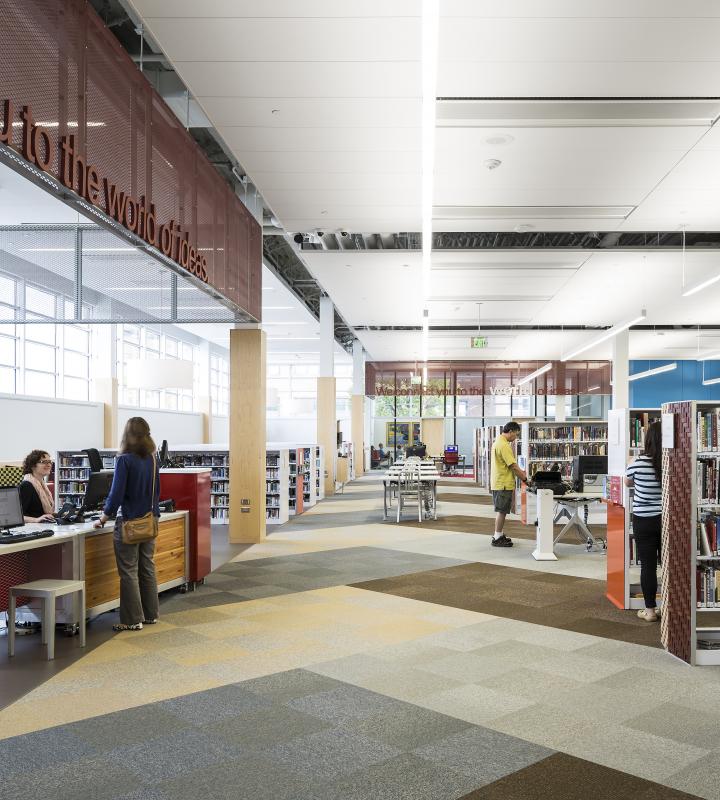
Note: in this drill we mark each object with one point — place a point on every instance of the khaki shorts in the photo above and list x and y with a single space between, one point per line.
502 500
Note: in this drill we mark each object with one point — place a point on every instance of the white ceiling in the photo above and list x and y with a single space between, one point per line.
320 101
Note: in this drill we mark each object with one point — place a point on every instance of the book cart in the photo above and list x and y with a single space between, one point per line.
626 438
690 622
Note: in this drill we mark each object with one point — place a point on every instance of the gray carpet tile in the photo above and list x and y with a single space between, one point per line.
343 703
41 750
284 686
173 755
249 778
406 727
483 754
137 725
146 793
95 778
256 731
328 755
214 704
405 777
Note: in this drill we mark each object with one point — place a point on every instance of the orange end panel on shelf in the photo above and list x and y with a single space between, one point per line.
615 554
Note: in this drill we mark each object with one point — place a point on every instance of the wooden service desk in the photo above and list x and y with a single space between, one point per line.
82 552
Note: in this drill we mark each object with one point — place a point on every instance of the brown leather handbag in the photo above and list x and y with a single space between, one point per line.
145 528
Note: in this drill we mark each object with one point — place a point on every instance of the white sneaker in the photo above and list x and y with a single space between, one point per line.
648 614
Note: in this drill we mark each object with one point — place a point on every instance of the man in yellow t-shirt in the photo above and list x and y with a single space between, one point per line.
503 471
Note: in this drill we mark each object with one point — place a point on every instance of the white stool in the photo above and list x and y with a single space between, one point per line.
48 591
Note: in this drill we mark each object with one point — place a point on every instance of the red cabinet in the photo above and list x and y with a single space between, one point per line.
190 489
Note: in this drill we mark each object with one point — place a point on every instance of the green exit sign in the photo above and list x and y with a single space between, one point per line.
478 342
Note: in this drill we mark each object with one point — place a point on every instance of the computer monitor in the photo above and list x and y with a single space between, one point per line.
11 513
451 448
588 465
97 490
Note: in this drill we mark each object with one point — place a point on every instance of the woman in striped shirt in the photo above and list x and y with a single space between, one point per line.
644 474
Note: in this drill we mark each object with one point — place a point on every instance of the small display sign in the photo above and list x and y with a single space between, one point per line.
478 342
668 430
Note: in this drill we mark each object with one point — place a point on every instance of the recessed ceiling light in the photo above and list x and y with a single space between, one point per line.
524 228
499 139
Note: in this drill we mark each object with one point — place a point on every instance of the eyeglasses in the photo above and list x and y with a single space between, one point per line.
46 461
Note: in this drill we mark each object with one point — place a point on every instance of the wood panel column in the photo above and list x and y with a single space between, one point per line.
326 407
247 434
105 381
357 409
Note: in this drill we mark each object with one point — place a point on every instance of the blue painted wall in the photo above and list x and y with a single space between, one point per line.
683 383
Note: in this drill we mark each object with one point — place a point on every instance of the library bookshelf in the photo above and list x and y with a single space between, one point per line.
288 490
72 470
626 437
548 444
690 623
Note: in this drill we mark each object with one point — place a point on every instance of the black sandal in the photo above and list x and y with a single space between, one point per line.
119 628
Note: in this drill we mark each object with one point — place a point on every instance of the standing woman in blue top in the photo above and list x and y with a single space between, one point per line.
131 492
645 474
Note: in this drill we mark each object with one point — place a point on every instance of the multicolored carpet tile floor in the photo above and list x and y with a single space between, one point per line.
347 657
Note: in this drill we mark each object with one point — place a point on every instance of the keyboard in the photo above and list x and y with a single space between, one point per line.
24 536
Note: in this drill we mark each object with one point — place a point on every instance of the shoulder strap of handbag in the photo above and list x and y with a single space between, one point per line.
152 493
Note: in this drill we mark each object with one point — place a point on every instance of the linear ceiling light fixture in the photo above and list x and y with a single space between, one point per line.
710 381
533 375
694 288
709 356
622 326
654 371
430 26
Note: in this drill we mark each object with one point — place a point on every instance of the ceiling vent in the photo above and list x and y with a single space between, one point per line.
475 213
482 113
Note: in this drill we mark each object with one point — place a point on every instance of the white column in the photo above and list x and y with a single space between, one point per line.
358 368
327 338
561 405
204 401
621 370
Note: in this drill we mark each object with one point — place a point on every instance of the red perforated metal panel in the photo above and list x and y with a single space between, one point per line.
678 535
58 58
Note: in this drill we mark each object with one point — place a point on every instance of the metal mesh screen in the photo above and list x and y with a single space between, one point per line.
79 81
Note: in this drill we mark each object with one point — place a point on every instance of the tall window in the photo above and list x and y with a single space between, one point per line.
219 385
42 358
140 342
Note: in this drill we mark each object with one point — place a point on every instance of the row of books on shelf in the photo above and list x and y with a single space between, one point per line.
71 487
272 501
219 473
638 428
573 433
567 449
202 459
272 486
272 461
272 473
272 513
707 588
545 466
73 472
708 476
219 486
220 500
707 535
708 423
220 514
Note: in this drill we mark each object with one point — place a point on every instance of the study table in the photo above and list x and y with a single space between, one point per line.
83 552
427 476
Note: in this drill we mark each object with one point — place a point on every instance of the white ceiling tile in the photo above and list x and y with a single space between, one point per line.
313 112
321 140
287 39
174 9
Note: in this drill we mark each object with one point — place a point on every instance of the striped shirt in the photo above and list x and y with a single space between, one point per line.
647 499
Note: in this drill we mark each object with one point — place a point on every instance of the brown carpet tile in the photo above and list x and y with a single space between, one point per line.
558 601
455 482
564 777
459 497
462 523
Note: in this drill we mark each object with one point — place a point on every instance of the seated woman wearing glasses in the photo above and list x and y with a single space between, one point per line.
35 497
